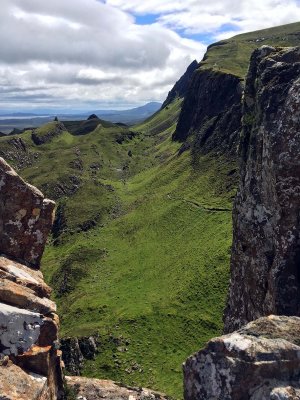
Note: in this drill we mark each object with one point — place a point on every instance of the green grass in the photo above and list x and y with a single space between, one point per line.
232 55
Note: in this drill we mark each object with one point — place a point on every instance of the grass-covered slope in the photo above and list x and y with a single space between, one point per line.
232 55
141 252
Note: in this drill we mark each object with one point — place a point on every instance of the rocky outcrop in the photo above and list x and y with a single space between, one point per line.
265 277
30 364
181 87
76 350
25 217
47 133
96 389
259 361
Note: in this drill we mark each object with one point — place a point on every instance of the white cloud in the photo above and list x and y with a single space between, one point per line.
83 52
199 16
86 51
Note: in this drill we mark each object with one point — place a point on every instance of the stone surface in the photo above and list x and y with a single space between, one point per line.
259 361
24 297
97 389
25 217
19 329
265 260
25 276
16 384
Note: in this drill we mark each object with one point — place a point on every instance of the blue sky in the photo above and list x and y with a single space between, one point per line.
101 54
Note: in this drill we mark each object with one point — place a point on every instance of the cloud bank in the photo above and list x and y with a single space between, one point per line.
92 54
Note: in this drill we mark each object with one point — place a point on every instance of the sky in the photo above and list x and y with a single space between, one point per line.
66 55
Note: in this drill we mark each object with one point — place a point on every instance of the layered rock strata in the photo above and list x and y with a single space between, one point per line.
259 361
30 364
265 275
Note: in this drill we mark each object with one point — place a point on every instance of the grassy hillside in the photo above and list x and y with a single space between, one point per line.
142 251
232 55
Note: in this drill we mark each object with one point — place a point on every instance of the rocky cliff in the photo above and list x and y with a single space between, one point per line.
266 251
211 112
30 364
181 87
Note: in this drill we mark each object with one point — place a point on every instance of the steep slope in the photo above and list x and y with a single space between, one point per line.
181 87
265 258
211 111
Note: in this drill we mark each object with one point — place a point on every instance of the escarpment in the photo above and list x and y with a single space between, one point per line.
211 112
266 252
30 364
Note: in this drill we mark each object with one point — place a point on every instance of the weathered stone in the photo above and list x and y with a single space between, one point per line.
19 329
25 276
98 389
24 297
16 384
266 243
48 333
25 217
257 362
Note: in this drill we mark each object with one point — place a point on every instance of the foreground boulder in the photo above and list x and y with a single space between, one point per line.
259 361
98 389
266 247
30 364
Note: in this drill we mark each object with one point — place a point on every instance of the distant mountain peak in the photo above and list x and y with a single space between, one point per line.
92 116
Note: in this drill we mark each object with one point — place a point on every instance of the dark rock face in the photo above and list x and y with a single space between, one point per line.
76 350
25 217
181 87
265 274
212 112
259 361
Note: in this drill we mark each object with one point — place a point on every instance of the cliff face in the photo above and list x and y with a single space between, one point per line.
181 86
30 366
211 112
265 277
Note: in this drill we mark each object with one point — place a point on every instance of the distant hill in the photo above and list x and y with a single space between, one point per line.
132 116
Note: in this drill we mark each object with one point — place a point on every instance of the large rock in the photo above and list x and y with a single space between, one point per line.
265 260
258 362
98 389
30 364
25 217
